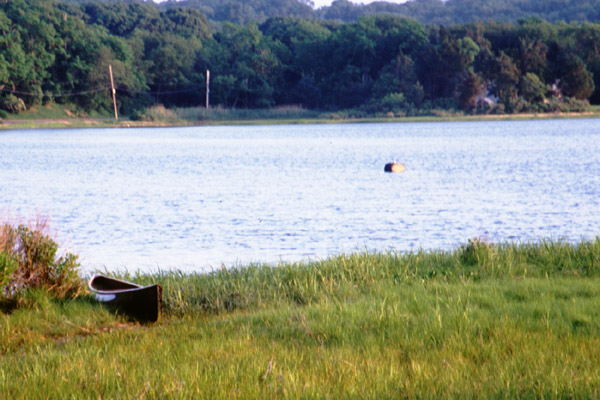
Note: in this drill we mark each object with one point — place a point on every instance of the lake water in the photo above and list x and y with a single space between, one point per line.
196 198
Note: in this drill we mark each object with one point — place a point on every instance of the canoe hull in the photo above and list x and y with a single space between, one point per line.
140 303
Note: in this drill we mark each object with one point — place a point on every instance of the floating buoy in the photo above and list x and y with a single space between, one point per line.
394 167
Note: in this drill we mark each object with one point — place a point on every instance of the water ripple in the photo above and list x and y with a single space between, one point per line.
194 198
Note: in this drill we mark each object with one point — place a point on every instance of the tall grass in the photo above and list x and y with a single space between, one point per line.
341 277
159 113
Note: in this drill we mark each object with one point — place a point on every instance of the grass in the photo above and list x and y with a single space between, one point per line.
57 112
485 321
195 114
60 116
296 115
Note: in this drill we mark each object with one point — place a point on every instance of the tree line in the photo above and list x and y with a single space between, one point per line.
438 12
59 51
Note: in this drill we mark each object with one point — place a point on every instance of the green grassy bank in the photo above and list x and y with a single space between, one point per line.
56 117
484 321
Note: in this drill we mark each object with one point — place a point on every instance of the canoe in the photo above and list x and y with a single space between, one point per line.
140 303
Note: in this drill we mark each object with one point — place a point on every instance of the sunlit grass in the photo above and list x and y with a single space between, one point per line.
484 321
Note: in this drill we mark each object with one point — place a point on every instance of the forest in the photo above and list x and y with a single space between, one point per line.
376 62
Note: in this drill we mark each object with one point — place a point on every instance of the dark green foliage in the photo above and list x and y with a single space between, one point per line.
507 78
450 12
532 88
48 55
121 18
243 12
577 81
60 52
469 89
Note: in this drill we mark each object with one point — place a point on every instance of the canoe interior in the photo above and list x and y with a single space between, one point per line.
101 282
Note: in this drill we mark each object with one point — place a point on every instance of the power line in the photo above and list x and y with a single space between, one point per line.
56 94
162 92
91 91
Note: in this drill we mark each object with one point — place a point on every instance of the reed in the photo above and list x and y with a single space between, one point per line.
159 113
255 286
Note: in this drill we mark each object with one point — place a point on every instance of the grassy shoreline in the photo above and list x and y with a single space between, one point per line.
56 118
484 320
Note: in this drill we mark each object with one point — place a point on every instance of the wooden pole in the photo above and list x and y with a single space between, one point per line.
114 92
207 88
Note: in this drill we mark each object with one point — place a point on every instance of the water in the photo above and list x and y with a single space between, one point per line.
197 198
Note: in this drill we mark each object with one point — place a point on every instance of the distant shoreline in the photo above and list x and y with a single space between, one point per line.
84 122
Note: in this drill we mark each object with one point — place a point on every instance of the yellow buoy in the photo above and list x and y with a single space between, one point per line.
394 167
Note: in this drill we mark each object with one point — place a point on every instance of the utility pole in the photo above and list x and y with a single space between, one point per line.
114 92
207 88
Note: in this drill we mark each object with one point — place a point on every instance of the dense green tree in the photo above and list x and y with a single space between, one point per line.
507 78
122 18
395 36
49 55
169 68
439 12
243 58
587 46
59 51
451 12
83 68
532 88
399 76
577 82
341 10
445 62
532 56
292 31
188 23
299 53
469 89
243 12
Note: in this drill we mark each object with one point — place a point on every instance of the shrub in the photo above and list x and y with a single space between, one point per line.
29 260
12 103
157 113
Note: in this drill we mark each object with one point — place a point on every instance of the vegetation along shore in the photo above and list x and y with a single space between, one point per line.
55 117
485 320
422 58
